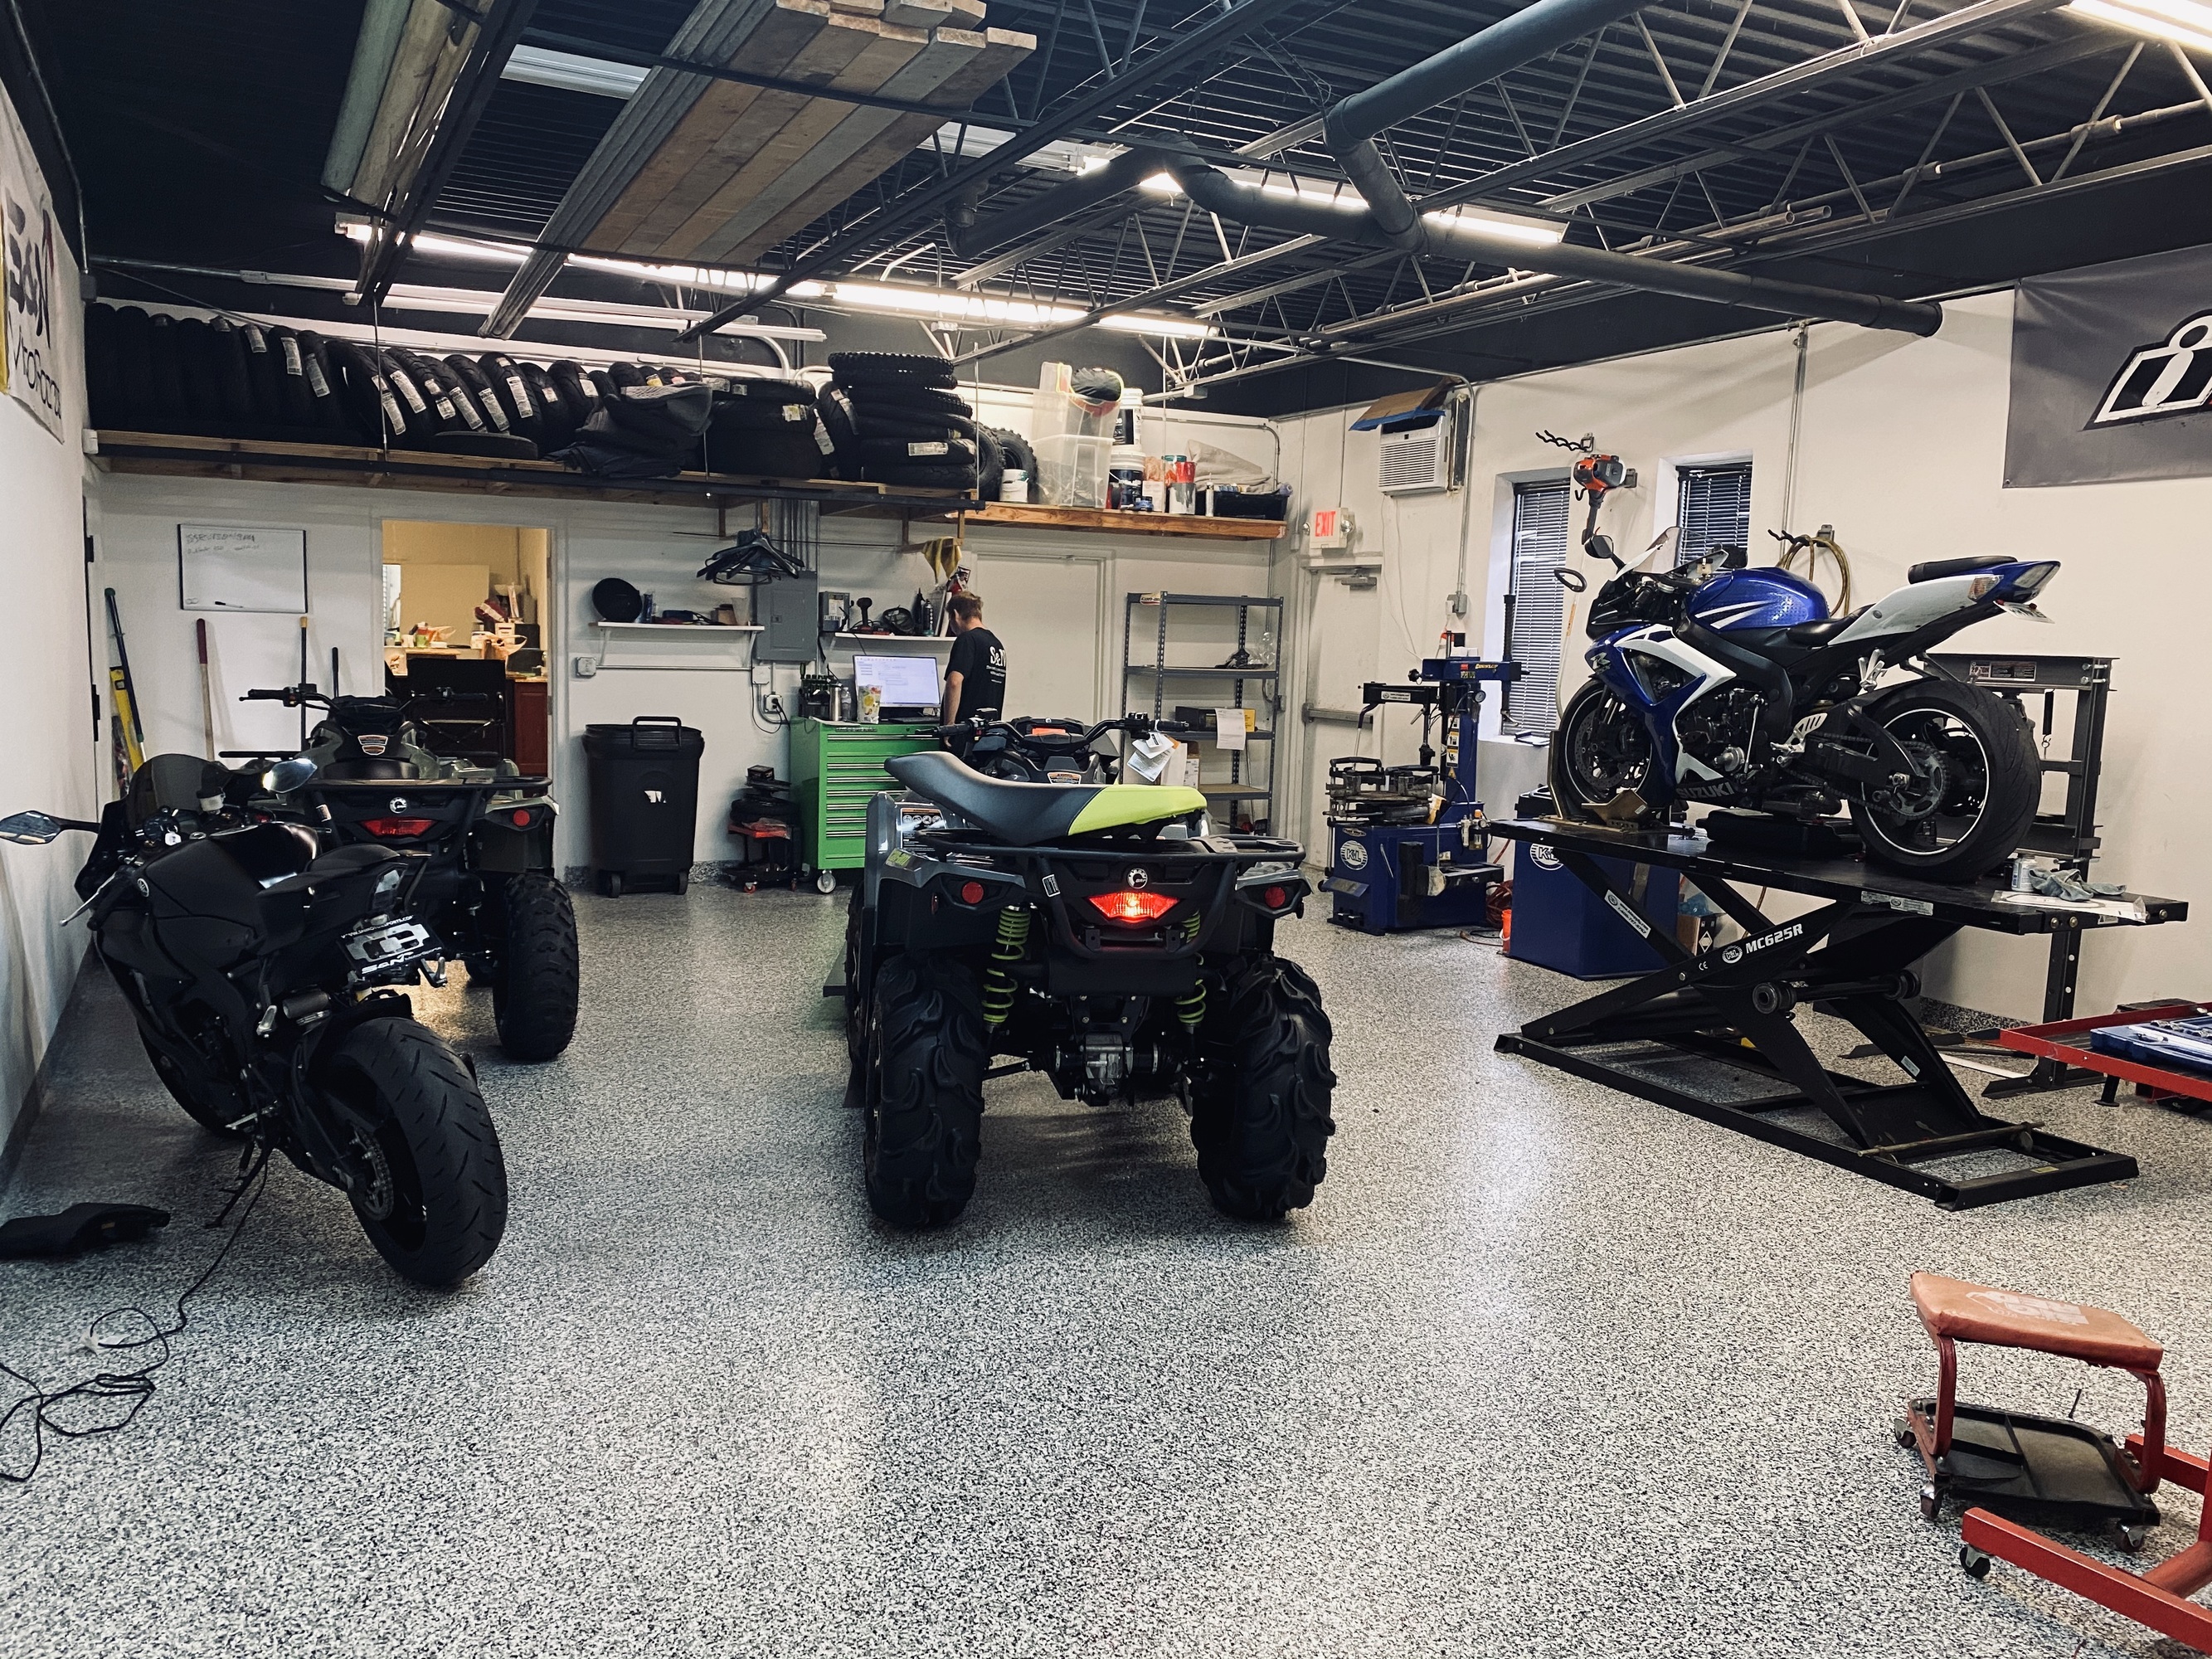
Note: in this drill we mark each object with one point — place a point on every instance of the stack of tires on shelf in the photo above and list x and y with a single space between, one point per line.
198 377
900 420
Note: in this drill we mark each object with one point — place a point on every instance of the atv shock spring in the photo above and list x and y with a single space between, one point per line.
997 983
1190 1007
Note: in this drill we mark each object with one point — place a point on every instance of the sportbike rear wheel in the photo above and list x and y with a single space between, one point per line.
1975 791
1600 749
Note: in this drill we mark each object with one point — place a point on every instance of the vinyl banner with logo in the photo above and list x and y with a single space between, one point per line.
2112 372
30 353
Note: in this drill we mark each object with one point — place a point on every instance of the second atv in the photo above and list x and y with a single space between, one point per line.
490 892
1100 933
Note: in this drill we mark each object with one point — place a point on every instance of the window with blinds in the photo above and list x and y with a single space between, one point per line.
1714 509
1537 611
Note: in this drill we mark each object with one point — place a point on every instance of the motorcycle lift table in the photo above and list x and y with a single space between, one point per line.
1712 1034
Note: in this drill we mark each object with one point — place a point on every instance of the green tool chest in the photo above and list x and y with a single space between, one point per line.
835 767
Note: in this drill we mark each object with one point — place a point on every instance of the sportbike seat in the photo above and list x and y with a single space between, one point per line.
1933 569
1027 814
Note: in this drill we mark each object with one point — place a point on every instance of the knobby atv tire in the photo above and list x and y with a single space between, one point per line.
438 1209
856 1036
1260 1109
535 983
928 1054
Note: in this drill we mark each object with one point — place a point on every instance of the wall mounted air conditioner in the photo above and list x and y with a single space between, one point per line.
1416 462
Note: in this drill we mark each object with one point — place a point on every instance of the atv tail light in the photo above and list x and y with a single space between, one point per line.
397 829
1132 906
1275 897
971 892
520 817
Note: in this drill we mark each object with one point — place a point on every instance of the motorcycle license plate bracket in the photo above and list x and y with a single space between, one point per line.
1711 1035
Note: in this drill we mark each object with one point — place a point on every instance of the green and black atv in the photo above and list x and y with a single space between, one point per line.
1101 934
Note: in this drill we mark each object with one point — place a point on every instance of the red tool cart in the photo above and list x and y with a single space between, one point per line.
2058 1041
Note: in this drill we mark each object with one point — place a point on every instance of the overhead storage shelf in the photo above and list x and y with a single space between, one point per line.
427 469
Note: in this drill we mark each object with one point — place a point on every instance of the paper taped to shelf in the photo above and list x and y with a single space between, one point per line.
1230 726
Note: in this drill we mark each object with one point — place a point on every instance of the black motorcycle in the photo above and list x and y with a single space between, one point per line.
489 892
261 971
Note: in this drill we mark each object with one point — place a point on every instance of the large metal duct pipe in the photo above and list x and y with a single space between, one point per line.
1218 193
1350 126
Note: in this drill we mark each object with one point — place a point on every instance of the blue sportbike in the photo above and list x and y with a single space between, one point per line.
1733 686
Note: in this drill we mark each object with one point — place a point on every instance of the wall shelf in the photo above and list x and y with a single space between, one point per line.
1109 521
893 645
721 659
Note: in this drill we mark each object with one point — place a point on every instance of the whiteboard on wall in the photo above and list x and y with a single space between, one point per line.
241 567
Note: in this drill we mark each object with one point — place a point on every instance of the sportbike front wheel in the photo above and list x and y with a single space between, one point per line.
1977 782
1600 749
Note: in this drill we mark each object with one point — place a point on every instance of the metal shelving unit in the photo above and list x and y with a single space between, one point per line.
1235 674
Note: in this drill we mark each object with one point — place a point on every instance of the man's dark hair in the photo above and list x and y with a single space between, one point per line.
968 607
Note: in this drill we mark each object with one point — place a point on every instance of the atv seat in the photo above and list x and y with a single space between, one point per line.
1933 569
1027 814
368 771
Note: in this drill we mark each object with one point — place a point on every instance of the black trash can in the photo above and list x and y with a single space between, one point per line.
645 801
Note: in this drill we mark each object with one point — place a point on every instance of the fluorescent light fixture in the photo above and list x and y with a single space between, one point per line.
1333 193
572 72
1062 155
2186 23
1171 328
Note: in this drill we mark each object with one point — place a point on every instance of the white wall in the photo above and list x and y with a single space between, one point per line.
1901 448
1067 606
53 752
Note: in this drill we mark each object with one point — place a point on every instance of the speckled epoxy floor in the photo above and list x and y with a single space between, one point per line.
1544 1371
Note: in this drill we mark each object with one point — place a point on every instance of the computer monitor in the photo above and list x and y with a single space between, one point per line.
904 681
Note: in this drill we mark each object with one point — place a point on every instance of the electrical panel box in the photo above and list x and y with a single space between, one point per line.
1416 462
790 612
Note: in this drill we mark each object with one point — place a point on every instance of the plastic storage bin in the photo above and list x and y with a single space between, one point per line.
644 801
1558 923
1072 471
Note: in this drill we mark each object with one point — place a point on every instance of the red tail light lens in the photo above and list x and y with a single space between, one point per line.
520 817
397 828
1275 897
971 892
1132 906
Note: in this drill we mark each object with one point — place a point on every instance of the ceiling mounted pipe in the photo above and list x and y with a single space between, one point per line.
1349 127
1118 177
1218 193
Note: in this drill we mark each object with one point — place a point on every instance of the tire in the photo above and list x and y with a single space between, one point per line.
894 454
1260 1107
166 374
923 477
856 1048
579 397
1992 781
216 1119
925 1058
296 404
1599 748
894 369
469 375
535 975
837 419
901 425
516 401
436 1203
990 466
264 372
556 426
134 369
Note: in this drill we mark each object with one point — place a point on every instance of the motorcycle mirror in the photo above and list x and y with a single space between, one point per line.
1601 547
1573 580
29 828
286 775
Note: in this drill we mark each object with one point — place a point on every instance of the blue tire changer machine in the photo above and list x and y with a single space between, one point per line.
1408 843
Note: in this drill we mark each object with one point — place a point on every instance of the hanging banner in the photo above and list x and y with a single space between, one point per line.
2112 372
30 354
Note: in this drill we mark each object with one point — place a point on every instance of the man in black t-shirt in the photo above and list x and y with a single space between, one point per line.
975 676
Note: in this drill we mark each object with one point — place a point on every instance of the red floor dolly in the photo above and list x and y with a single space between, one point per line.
2054 1471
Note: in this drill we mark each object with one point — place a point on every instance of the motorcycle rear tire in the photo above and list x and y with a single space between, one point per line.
536 976
440 1208
2012 789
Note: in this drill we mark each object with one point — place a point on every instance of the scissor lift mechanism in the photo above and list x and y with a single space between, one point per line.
1706 1008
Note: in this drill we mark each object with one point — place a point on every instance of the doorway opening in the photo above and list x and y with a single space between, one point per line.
464 635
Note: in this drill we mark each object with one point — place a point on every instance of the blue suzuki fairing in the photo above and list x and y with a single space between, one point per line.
1764 597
